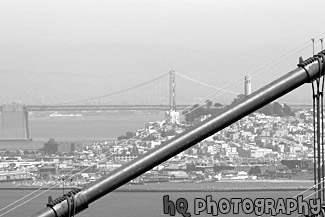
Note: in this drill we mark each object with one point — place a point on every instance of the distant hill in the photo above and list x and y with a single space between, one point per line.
276 109
273 109
197 111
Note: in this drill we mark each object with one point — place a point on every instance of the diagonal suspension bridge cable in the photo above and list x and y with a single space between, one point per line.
315 192
132 138
205 84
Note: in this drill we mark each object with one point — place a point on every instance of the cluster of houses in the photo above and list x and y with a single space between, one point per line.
257 146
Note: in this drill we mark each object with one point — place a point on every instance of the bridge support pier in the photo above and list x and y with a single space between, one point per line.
14 122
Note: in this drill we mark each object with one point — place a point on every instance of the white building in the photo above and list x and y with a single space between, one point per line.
172 117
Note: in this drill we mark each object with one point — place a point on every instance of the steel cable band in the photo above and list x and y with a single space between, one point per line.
308 61
73 197
62 198
302 65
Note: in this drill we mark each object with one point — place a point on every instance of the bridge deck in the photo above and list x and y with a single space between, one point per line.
99 107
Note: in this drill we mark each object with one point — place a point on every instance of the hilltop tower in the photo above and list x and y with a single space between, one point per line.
248 85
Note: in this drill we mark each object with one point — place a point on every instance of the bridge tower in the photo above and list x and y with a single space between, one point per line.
172 90
14 122
172 115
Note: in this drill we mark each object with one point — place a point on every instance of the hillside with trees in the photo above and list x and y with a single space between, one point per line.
272 109
210 108
197 111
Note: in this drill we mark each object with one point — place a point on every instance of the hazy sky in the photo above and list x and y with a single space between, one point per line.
69 50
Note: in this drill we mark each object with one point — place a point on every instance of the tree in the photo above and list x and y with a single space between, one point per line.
255 171
208 103
238 99
163 134
171 132
150 137
267 110
196 106
198 111
189 117
287 110
128 135
218 105
278 110
190 167
194 113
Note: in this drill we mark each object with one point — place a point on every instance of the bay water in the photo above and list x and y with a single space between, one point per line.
139 203
150 203
91 128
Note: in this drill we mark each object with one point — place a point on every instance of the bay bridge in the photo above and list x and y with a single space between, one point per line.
170 91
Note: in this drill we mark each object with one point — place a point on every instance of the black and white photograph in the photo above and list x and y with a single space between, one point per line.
162 108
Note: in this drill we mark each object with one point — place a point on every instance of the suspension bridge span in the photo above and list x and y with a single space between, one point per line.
170 91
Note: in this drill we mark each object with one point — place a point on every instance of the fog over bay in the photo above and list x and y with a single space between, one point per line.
68 50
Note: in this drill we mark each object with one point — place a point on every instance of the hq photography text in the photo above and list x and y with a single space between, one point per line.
246 206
